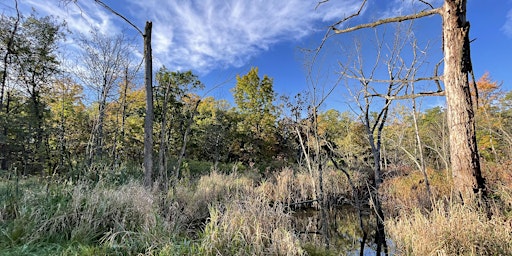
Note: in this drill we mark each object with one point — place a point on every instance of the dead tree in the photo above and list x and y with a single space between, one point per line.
465 163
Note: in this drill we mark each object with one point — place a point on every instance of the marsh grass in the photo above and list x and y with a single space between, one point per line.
252 226
451 229
293 188
124 218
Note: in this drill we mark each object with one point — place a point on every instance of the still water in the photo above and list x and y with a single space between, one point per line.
345 233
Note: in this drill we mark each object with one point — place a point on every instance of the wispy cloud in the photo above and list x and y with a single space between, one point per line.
404 7
206 34
507 27
80 18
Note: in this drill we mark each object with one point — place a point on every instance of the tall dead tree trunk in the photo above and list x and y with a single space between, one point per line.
148 119
467 176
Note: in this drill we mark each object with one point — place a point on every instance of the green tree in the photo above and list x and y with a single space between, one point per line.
214 131
174 114
255 98
33 66
69 129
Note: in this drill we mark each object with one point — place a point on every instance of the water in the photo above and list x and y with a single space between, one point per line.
345 234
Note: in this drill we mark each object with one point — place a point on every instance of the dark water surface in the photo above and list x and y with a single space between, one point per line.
345 234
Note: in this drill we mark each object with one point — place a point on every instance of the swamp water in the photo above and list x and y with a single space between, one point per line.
345 234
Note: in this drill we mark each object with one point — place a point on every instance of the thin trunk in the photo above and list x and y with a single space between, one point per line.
420 147
148 119
9 51
185 140
123 114
465 163
39 151
162 161
321 195
5 131
98 144
375 141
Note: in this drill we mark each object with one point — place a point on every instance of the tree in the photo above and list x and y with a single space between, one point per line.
465 164
104 59
9 29
173 90
214 130
254 98
35 66
148 85
69 133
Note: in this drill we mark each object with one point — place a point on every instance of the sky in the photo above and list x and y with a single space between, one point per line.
219 39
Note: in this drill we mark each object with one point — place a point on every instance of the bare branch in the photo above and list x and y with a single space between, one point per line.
119 15
408 96
419 79
320 3
351 16
101 3
385 21
427 3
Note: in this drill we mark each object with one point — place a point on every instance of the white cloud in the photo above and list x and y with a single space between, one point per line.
205 34
80 18
507 27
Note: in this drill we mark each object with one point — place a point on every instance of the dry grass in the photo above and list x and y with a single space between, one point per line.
452 230
406 193
192 200
293 188
251 226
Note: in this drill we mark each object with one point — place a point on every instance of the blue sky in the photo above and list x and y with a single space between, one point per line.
219 39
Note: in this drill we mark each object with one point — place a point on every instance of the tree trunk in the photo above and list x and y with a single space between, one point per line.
148 119
467 176
162 161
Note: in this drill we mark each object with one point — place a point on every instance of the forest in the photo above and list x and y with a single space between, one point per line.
102 155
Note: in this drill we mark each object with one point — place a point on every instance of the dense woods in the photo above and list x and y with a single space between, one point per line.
227 177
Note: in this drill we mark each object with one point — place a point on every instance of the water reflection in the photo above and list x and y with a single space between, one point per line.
345 234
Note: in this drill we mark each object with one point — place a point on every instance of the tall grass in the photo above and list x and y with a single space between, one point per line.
192 200
252 226
452 229
124 219
294 188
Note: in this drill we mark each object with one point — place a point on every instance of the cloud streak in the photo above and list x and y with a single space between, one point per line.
507 27
203 35
208 34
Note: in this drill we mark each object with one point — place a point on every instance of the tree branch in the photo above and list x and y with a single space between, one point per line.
101 3
385 21
408 96
119 15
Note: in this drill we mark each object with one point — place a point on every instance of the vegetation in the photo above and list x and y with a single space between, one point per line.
253 178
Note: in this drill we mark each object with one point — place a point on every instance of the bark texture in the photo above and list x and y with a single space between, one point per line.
467 176
148 119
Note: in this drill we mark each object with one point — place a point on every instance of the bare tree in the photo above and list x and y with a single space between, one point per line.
104 58
465 164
